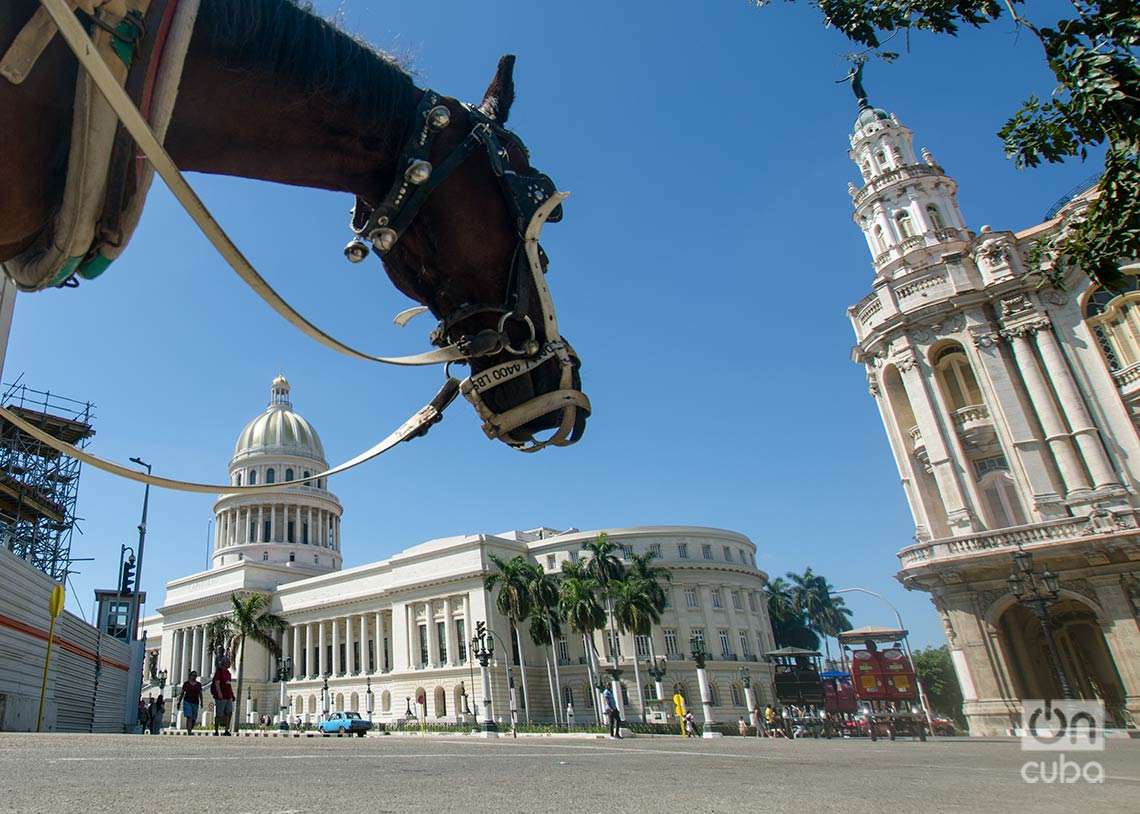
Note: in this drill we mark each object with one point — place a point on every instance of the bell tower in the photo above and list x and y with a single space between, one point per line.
907 204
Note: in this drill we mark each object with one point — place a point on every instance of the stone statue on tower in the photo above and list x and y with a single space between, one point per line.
855 77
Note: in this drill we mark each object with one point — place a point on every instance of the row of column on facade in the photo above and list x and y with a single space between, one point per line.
277 523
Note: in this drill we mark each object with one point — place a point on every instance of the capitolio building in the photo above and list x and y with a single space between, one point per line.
1011 407
393 636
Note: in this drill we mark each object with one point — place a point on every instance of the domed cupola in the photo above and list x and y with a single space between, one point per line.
298 526
279 430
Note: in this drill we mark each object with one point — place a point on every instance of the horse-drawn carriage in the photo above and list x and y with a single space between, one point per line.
884 683
799 690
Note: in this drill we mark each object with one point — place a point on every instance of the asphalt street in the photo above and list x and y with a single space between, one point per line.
90 773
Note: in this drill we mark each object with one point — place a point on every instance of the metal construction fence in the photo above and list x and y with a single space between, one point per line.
88 676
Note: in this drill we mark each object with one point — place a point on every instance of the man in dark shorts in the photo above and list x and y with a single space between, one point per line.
191 700
221 687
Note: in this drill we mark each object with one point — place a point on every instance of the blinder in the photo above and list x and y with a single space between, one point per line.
533 200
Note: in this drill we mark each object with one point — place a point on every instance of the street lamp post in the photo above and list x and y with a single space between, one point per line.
906 644
325 696
142 541
369 698
160 679
697 646
284 673
1037 591
483 649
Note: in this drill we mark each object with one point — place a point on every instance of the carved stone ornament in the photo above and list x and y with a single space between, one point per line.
952 324
1102 521
1026 328
985 339
995 253
1017 304
873 384
922 335
905 360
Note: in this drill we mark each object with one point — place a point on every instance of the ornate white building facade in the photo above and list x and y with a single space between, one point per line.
1011 409
399 628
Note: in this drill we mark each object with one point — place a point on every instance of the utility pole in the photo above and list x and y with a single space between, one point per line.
136 613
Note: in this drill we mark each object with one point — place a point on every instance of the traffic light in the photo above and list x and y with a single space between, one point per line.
126 582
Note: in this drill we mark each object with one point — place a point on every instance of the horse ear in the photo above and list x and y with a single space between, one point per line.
500 93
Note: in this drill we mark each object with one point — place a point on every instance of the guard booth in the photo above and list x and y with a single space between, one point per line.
114 610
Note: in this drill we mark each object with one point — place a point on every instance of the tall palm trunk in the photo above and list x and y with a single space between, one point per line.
241 681
637 678
592 675
550 681
522 669
557 684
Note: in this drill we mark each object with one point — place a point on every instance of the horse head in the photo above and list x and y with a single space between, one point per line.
458 232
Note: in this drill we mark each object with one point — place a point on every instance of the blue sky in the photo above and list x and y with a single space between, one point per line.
703 272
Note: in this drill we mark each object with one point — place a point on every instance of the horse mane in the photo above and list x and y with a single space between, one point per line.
288 39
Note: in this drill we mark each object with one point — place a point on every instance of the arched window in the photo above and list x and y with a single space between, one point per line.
935 217
906 228
288 474
253 477
271 475
714 696
237 479
865 168
880 244
1003 508
956 378
1114 319
881 158
567 695
737 697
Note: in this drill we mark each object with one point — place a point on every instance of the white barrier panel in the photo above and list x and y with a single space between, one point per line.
87 678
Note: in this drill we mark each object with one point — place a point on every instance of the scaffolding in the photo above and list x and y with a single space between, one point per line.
39 486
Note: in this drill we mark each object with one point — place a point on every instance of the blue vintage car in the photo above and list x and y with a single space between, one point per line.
344 723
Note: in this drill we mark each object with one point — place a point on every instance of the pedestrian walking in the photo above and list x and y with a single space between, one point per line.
690 725
221 688
742 727
190 697
612 713
142 716
757 721
158 714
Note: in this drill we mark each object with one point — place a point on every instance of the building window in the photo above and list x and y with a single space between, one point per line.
752 602
906 228
691 598
698 634
956 378
716 600
1115 322
706 552
265 556
568 696
935 217
743 557
1003 507
727 554
881 158
714 696
725 645
371 656
880 244
550 561
655 550
292 557
737 699
745 643
253 533
288 474
271 475
670 642
289 531
253 477
642 645
573 556
237 479
737 604
613 644
441 637
627 551
667 595
563 652
683 550
461 640
423 646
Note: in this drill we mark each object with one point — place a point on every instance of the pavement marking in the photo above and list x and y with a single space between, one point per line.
229 756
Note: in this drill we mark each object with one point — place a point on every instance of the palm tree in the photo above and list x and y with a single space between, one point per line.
605 568
642 567
545 627
636 613
219 640
250 619
513 580
578 605
788 626
825 613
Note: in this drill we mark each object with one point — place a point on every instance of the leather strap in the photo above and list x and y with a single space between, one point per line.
418 424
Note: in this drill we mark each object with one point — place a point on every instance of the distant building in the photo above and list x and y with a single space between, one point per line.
401 627
1011 409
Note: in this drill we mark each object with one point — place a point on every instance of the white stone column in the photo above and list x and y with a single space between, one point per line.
433 637
273 522
196 648
378 645
903 461
297 650
207 671
400 637
260 535
349 667
176 637
322 655
309 649
944 468
336 665
1073 406
1055 434
449 633
364 643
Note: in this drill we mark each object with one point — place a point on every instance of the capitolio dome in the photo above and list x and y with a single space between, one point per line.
279 430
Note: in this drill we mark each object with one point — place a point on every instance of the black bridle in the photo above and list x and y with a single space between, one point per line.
533 200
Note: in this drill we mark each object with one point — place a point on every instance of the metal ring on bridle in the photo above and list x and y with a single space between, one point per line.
530 346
